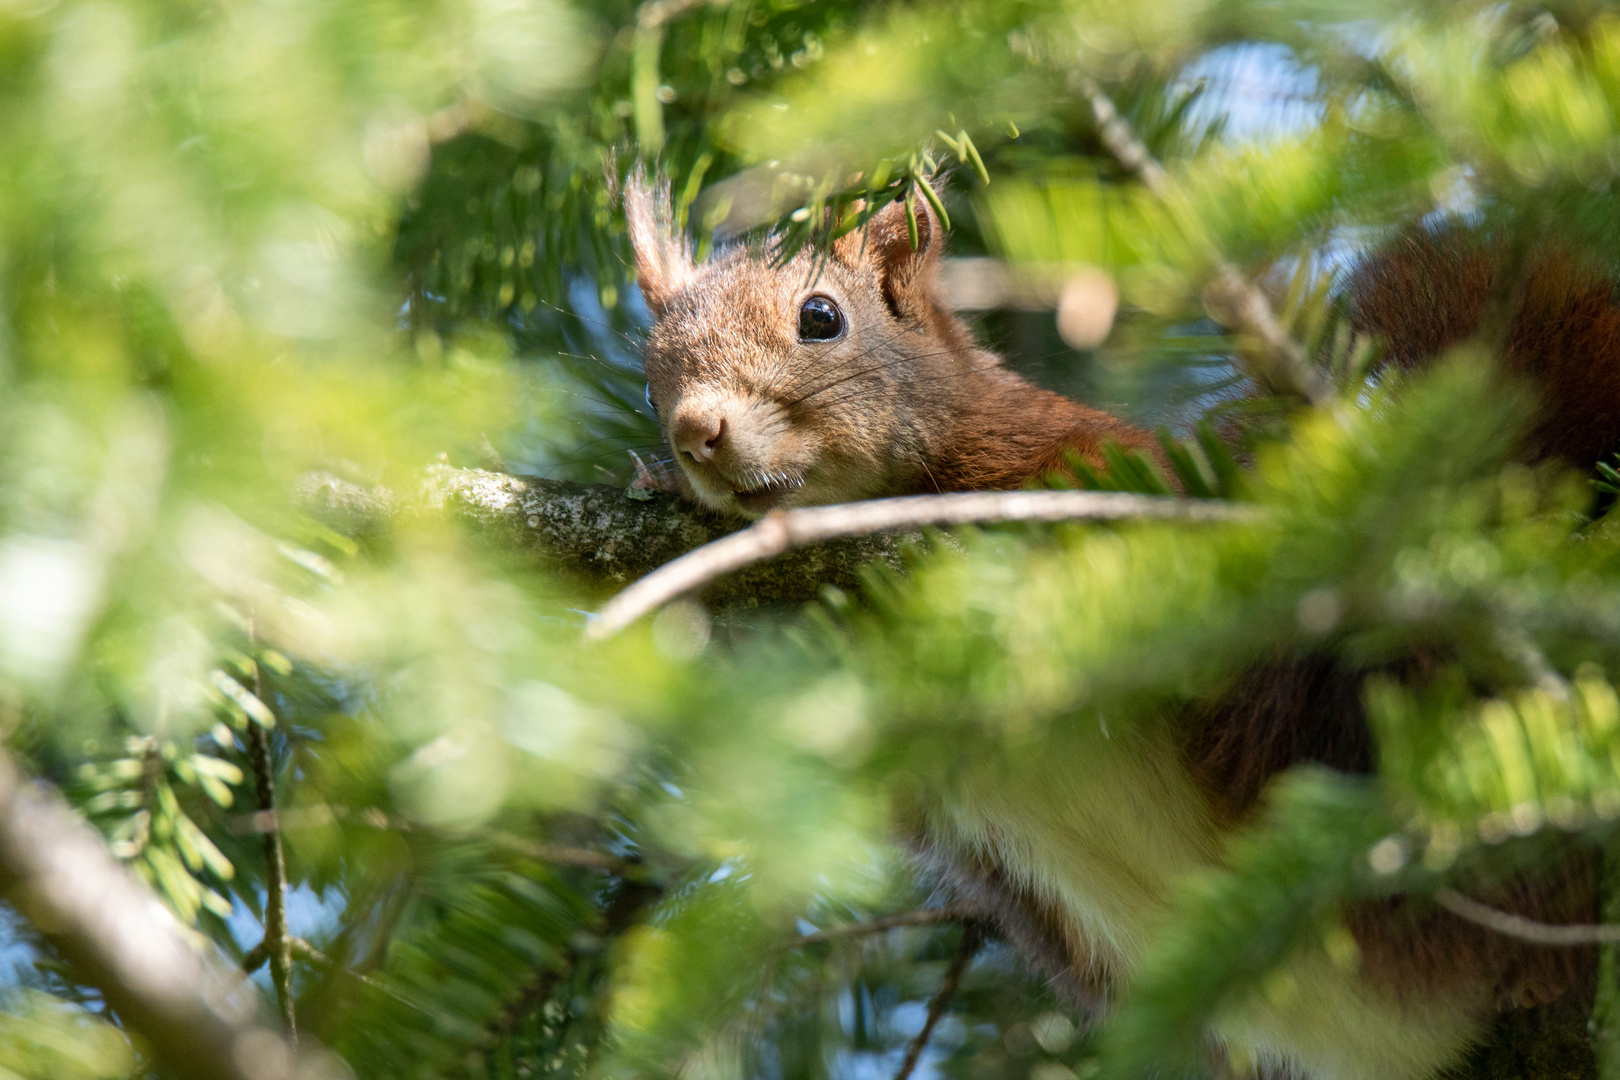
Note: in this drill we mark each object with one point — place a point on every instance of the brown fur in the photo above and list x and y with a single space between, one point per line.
1036 928
908 403
1286 713
1428 291
904 403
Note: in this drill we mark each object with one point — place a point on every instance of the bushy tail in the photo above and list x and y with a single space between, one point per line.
1429 290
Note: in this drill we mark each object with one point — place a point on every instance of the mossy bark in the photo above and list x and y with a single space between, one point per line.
601 537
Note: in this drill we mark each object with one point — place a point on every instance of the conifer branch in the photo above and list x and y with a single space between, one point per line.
576 857
628 904
972 938
882 924
1517 926
594 535
277 944
120 939
1282 364
779 531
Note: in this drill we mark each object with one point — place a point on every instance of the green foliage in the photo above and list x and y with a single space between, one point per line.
241 243
39 1036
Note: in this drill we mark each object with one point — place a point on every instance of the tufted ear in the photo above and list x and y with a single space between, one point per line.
663 262
906 275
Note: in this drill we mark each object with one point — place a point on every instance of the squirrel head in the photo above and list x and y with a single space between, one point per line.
793 384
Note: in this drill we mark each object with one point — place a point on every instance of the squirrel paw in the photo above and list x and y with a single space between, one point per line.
657 477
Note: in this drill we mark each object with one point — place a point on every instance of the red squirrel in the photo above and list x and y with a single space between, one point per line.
777 386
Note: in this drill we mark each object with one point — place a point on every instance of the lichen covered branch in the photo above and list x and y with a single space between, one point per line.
57 872
602 538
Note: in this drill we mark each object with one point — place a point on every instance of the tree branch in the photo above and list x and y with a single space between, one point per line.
577 857
277 945
781 530
120 938
1280 363
972 938
882 924
1517 926
601 537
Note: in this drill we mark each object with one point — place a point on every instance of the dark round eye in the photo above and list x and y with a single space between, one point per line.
820 320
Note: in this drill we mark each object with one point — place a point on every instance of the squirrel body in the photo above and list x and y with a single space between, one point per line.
771 398
1080 851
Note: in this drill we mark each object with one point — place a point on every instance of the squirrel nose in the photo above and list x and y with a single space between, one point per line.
699 436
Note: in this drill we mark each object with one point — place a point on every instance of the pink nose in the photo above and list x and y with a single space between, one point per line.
699 435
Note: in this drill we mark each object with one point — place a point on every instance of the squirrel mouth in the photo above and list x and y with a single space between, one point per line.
766 495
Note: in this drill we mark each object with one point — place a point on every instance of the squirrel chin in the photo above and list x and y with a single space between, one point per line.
752 504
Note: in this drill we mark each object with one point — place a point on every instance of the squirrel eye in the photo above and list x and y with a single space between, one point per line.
820 320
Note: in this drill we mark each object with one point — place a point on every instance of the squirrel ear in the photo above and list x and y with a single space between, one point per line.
663 263
905 274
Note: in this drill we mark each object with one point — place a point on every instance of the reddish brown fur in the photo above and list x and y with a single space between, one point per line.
1290 712
941 414
1428 292
1009 432
1035 927
903 402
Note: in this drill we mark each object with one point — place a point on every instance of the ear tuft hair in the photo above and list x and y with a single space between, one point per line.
907 276
663 261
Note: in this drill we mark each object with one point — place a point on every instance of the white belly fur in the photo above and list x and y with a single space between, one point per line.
1107 829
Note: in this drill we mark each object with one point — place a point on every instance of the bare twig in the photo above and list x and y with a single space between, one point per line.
313 816
924 917
562 855
628 904
266 822
1282 363
972 938
1517 926
1122 142
300 949
782 530
277 944
121 939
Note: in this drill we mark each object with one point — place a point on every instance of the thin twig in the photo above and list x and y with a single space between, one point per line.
277 944
924 917
265 822
972 938
1517 926
561 855
1283 365
537 991
629 903
120 939
779 531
